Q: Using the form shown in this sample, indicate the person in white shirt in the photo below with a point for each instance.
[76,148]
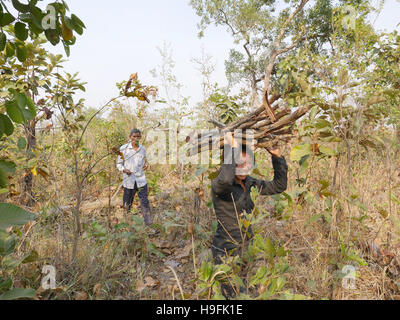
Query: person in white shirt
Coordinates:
[132,163]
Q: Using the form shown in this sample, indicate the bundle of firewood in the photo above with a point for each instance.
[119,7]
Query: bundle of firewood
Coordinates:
[259,127]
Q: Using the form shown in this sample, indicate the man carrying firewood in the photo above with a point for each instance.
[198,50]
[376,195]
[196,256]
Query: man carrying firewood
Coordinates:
[132,163]
[231,198]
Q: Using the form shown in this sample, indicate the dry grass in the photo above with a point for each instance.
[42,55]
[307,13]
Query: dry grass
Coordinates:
[113,269]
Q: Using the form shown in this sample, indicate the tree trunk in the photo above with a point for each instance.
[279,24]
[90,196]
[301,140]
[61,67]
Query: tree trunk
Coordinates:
[77,213]
[349,171]
[30,133]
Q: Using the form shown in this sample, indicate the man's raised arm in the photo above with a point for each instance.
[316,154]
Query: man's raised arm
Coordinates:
[279,184]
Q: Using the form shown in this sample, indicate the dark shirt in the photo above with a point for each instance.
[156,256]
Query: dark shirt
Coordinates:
[225,187]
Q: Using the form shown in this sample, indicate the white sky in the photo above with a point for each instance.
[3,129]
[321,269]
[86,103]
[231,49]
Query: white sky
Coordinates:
[122,37]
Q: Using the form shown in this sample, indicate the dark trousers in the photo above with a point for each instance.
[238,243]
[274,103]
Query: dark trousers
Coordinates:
[228,291]
[129,195]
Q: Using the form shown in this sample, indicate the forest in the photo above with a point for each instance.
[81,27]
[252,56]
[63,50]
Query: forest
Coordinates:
[312,79]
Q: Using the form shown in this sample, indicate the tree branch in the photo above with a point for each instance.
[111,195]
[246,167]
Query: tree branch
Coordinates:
[93,116]
[227,23]
[274,53]
[217,123]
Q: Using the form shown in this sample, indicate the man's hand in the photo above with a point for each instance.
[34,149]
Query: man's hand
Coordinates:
[128,172]
[275,152]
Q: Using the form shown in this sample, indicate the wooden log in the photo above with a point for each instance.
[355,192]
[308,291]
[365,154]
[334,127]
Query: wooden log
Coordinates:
[217,123]
[264,132]
[205,140]
[194,139]
[285,138]
[253,114]
[258,114]
[266,122]
[289,119]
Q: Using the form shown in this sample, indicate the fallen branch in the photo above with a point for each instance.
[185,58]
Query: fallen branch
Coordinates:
[255,128]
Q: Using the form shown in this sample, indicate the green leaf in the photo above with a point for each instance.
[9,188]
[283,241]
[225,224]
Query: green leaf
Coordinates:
[324,184]
[299,151]
[313,112]
[53,35]
[304,163]
[206,270]
[353,256]
[222,267]
[10,49]
[272,286]
[6,168]
[7,243]
[9,262]
[24,8]
[67,49]
[22,52]
[3,178]
[78,29]
[77,21]
[6,19]
[8,127]
[259,277]
[327,151]
[21,143]
[31,257]
[21,32]
[28,114]
[280,282]
[14,112]
[322,123]
[281,252]
[18,293]
[30,104]
[11,215]
[269,248]
[21,100]
[6,284]
[37,17]
[68,22]
[3,41]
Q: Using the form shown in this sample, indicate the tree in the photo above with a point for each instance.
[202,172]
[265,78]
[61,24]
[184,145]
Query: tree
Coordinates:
[262,33]
[35,77]
[31,21]
[268,31]
[18,105]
